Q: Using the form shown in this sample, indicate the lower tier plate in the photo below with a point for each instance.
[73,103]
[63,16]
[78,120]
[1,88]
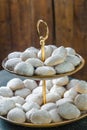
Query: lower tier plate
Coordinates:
[45,125]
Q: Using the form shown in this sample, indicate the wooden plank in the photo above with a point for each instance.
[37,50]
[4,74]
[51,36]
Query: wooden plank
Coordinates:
[4,35]
[80,23]
[80,33]
[64,22]
[20,24]
[5,42]
[4,10]
[24,16]
[5,39]
[41,9]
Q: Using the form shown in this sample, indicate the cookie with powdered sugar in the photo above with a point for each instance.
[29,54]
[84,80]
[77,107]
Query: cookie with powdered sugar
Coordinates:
[81,101]
[40,117]
[24,68]
[17,115]
[48,52]
[15,84]
[11,63]
[24,92]
[45,71]
[81,87]
[68,111]
[35,62]
[64,67]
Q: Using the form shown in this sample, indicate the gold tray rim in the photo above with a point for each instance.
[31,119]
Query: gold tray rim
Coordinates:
[45,125]
[40,77]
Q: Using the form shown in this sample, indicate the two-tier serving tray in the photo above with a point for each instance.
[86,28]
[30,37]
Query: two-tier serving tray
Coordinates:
[44,78]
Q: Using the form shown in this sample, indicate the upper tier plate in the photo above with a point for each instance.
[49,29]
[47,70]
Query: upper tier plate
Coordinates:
[40,77]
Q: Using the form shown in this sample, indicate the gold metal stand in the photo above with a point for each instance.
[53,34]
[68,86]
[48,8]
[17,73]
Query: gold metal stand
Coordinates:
[42,43]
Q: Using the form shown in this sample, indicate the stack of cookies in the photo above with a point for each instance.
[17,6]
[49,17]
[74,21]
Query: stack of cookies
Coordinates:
[58,60]
[22,101]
